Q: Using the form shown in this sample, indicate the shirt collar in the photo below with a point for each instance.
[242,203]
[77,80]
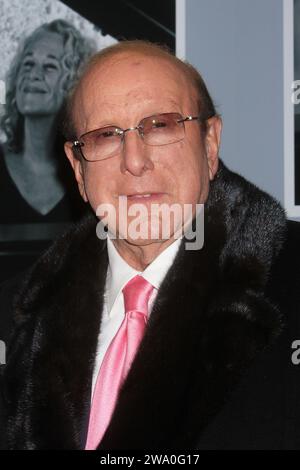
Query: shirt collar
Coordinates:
[119,272]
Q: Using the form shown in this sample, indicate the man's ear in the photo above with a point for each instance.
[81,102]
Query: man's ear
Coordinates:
[212,143]
[77,167]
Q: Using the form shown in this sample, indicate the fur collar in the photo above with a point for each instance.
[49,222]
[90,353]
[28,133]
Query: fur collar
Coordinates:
[209,321]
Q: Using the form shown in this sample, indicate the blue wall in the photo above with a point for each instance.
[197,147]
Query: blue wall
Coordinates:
[237,45]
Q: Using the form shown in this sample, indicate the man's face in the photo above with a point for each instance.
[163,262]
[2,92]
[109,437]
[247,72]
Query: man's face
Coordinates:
[39,88]
[120,92]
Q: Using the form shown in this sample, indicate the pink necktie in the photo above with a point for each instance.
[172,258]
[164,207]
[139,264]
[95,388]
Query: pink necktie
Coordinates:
[118,358]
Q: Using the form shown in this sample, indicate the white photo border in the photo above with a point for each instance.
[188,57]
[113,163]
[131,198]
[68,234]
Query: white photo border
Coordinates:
[292,209]
[180,31]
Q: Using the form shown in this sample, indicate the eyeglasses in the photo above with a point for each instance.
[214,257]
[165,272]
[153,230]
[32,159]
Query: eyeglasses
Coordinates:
[156,130]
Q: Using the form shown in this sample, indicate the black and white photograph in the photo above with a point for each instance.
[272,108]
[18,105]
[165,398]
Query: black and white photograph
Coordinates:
[45,45]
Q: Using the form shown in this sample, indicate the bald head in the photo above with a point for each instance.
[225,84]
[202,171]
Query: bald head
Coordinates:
[104,66]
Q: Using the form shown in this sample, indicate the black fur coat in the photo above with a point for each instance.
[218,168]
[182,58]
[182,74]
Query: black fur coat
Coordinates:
[214,368]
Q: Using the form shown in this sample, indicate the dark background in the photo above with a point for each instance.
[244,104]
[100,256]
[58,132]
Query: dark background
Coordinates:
[152,20]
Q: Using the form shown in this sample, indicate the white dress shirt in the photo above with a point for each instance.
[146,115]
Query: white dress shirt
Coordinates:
[118,274]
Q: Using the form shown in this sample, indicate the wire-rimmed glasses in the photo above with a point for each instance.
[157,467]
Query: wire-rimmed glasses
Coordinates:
[158,129]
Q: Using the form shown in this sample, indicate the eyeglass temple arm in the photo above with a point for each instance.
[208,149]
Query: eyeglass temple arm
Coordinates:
[77,144]
[194,118]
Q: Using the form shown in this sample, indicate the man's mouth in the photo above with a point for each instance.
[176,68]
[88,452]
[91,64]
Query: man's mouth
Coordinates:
[140,195]
[145,196]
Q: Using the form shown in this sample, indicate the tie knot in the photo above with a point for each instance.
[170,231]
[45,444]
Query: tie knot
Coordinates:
[136,294]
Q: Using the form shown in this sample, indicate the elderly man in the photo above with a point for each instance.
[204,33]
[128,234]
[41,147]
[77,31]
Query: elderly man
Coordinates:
[127,340]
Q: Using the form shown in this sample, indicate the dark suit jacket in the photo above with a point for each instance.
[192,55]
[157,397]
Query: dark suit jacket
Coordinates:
[214,369]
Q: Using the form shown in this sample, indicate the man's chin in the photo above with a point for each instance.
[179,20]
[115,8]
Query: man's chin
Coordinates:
[145,241]
[151,234]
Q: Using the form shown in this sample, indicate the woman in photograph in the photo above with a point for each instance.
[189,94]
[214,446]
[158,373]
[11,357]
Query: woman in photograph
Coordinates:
[33,170]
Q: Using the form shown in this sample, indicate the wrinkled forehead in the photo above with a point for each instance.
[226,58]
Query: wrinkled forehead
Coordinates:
[127,79]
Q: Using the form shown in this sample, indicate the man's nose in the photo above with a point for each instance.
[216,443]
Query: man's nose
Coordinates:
[135,154]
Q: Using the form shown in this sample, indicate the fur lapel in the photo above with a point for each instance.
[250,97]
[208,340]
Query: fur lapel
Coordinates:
[210,320]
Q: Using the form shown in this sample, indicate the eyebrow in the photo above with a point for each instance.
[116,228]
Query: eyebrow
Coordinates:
[103,126]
